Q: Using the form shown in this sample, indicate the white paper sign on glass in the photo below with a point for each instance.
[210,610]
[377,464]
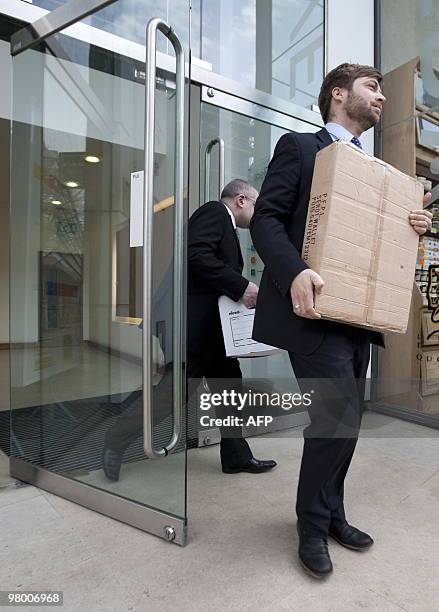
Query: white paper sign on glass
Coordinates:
[136,209]
[237,324]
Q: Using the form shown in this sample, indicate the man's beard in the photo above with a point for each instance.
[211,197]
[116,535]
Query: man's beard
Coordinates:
[359,110]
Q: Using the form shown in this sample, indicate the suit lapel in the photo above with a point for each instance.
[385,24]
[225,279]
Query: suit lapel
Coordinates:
[323,139]
[241,261]
[229,223]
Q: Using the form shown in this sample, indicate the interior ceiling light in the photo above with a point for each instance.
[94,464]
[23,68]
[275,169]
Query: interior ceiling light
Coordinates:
[72,184]
[92,159]
[56,202]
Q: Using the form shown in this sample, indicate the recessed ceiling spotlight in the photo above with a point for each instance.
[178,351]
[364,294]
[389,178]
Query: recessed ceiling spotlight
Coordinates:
[72,184]
[92,159]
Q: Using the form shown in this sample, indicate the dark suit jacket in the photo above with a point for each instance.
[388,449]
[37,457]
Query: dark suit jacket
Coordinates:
[277,229]
[214,268]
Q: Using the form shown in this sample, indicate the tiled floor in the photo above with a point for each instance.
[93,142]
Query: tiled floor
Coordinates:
[241,553]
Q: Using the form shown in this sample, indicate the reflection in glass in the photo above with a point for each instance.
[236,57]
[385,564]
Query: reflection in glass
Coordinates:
[428,133]
[276,46]
[128,19]
[76,284]
[408,368]
[279,44]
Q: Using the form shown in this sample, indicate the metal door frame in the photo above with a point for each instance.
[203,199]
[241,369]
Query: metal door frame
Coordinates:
[210,88]
[162,524]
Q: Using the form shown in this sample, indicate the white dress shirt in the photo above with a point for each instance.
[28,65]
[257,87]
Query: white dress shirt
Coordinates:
[337,131]
[232,216]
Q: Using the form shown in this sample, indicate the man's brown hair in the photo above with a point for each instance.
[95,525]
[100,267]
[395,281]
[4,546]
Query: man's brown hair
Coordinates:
[343,76]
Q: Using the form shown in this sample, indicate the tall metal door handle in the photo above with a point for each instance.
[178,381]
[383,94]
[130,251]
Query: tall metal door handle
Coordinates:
[219,141]
[177,339]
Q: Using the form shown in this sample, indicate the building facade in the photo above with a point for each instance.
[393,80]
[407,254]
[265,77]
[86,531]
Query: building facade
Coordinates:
[223,81]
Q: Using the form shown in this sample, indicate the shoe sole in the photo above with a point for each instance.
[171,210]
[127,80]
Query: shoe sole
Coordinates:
[108,474]
[238,470]
[112,478]
[356,548]
[314,574]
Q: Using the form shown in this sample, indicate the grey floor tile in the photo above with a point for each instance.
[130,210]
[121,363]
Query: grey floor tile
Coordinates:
[12,494]
[242,551]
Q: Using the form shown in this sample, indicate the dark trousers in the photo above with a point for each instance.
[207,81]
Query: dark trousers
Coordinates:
[335,376]
[221,373]
[128,427]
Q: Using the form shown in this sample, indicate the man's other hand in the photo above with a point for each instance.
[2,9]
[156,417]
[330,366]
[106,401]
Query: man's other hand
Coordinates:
[250,295]
[302,293]
[420,220]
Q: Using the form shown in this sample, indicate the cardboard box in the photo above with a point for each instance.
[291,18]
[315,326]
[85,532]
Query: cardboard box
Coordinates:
[358,238]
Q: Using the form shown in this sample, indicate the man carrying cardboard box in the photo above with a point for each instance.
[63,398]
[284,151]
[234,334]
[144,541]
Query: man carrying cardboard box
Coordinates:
[332,357]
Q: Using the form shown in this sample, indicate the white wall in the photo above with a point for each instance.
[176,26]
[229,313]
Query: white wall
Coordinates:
[350,38]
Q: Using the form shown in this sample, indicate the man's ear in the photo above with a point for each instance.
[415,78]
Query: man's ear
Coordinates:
[337,93]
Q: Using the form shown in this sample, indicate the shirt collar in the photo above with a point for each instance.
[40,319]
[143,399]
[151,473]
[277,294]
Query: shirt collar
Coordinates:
[232,216]
[337,131]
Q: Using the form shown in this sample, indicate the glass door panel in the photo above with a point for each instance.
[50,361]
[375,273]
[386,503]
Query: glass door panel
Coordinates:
[241,146]
[125,20]
[77,294]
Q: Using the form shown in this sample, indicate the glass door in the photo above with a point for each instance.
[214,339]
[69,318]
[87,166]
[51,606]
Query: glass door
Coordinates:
[98,204]
[237,140]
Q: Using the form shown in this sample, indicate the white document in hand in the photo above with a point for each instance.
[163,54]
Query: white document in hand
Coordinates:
[237,323]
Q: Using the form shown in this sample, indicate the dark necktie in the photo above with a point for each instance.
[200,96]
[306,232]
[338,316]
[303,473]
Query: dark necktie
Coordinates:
[356,142]
[237,235]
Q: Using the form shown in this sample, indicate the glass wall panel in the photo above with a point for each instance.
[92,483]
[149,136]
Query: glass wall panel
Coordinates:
[409,138]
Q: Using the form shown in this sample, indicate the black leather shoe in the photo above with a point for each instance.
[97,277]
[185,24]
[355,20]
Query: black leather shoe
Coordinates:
[350,537]
[111,462]
[314,555]
[254,466]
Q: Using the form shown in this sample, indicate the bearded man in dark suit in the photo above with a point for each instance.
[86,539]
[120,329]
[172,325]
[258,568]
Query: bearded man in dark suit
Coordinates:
[331,357]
